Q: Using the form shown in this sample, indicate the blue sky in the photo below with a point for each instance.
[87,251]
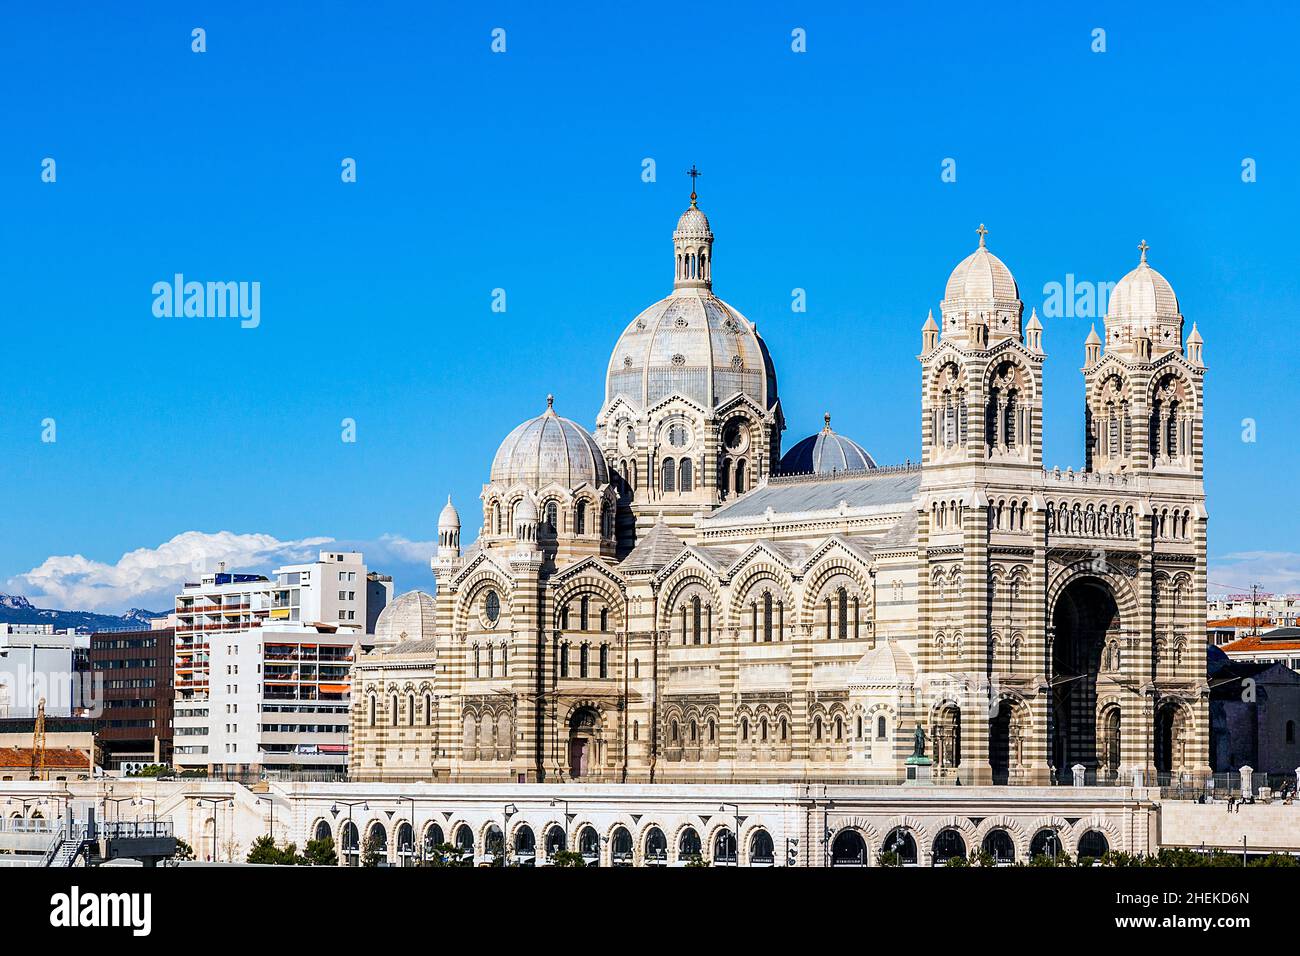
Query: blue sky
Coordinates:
[522,171]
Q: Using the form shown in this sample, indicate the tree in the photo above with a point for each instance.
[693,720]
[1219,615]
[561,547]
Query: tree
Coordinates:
[319,853]
[265,851]
[890,858]
[567,858]
[444,854]
[369,851]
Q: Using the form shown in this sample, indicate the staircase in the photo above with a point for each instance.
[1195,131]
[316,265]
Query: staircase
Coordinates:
[65,849]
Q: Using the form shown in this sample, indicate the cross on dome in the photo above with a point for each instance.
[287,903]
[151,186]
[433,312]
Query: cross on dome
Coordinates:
[1143,247]
[694,174]
[982,233]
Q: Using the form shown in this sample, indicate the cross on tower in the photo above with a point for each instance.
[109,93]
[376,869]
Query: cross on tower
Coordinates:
[694,174]
[1142,248]
[982,233]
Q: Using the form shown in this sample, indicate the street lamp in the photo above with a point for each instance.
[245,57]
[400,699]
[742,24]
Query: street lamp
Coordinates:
[736,842]
[270,799]
[153,807]
[508,811]
[334,811]
[216,802]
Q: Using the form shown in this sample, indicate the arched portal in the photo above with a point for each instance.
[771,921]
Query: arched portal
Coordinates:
[584,741]
[1084,615]
[848,849]
[1171,737]
[948,844]
[999,845]
[1007,732]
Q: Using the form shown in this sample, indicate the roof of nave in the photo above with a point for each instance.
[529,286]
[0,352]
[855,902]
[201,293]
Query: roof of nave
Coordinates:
[864,489]
[901,535]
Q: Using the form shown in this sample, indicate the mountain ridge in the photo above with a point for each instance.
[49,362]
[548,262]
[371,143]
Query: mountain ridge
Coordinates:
[16,609]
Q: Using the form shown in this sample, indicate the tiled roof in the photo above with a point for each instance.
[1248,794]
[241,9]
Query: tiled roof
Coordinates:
[11,757]
[653,551]
[868,488]
[1287,640]
[1240,622]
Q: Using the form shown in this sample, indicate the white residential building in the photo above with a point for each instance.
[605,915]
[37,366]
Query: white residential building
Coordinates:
[39,661]
[263,665]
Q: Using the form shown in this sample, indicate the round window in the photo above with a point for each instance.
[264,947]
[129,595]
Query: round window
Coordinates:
[679,436]
[735,437]
[492,607]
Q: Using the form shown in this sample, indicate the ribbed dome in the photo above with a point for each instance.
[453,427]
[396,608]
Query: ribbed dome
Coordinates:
[1142,295]
[410,617]
[979,281]
[824,453]
[549,449]
[885,666]
[693,344]
[450,517]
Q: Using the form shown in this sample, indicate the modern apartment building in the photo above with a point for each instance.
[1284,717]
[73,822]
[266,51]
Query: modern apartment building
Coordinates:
[134,669]
[263,665]
[37,662]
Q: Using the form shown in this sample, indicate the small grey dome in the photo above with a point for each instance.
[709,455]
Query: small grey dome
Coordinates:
[410,617]
[549,449]
[824,453]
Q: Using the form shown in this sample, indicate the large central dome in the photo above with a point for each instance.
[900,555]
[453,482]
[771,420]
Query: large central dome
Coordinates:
[691,343]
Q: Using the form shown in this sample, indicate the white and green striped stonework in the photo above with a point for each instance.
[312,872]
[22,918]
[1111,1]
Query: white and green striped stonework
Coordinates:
[659,600]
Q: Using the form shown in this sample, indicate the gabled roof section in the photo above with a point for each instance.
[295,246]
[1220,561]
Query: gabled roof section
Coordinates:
[654,551]
[587,565]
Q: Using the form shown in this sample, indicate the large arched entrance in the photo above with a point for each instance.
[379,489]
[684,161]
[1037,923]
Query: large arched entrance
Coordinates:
[584,740]
[1007,730]
[1085,613]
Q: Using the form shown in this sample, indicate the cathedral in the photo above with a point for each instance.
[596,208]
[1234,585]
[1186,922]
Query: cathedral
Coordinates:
[669,597]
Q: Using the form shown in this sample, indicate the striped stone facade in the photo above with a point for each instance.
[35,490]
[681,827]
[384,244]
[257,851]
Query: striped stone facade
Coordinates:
[671,608]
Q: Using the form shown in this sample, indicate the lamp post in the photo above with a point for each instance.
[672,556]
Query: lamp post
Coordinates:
[153,808]
[507,812]
[216,802]
[568,819]
[736,841]
[270,800]
[412,854]
[334,811]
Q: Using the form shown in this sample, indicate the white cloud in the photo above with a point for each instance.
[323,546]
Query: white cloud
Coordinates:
[1277,572]
[151,577]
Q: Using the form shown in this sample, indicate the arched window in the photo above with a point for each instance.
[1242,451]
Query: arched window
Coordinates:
[880,727]
[744,729]
[552,517]
[585,615]
[740,477]
[584,659]
[767,616]
[685,483]
[604,619]
[761,850]
[477,672]
[695,618]
[372,710]
[604,660]
[785,730]
[564,660]
[428,710]
[724,477]
[688,845]
[580,519]
[817,728]
[392,714]
[843,597]
[410,710]
[656,847]
[669,475]
[496,517]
